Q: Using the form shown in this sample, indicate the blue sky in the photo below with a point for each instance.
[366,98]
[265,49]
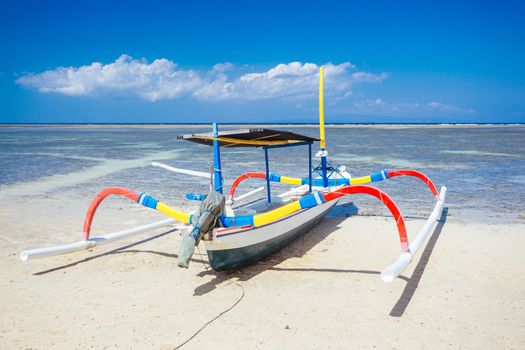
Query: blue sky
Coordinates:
[247,61]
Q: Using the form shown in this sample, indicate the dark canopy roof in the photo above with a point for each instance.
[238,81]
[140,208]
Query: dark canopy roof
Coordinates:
[249,138]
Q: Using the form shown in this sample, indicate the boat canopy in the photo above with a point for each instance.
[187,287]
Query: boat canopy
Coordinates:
[250,138]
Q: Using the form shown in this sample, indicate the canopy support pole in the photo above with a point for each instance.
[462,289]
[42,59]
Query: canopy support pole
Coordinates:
[217,173]
[310,167]
[267,174]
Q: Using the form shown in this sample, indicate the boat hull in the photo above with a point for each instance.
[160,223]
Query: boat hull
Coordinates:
[231,250]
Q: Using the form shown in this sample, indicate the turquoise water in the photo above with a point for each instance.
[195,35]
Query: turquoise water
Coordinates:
[482,166]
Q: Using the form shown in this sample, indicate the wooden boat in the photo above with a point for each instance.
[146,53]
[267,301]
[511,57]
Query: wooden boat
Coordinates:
[249,232]
[231,248]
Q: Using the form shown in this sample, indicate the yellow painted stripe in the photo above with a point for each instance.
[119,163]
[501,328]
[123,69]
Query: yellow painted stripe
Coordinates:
[249,142]
[255,142]
[291,180]
[321,107]
[360,180]
[173,213]
[276,214]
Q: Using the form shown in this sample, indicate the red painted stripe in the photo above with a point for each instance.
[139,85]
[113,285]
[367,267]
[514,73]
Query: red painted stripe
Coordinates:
[421,176]
[98,199]
[383,197]
[244,177]
[225,229]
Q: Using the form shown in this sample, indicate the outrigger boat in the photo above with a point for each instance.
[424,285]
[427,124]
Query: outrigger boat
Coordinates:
[238,235]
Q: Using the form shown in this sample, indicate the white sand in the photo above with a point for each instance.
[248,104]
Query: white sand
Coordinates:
[321,292]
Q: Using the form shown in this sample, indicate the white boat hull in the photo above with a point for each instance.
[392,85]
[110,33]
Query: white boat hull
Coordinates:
[230,249]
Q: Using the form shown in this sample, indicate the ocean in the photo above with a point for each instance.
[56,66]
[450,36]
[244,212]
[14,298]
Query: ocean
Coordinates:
[483,166]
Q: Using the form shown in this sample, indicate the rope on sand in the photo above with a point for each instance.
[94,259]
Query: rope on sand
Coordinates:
[216,317]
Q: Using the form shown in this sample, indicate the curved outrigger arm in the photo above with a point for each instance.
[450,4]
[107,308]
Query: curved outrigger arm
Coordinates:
[383,197]
[375,177]
[142,199]
[90,242]
[394,270]
[408,249]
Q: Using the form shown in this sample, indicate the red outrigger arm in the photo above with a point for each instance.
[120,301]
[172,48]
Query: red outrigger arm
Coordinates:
[383,197]
[142,199]
[245,176]
[408,249]
[98,199]
[90,242]
[417,174]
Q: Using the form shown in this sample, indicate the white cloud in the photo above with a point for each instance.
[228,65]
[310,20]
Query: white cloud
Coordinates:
[369,77]
[126,76]
[163,79]
[449,108]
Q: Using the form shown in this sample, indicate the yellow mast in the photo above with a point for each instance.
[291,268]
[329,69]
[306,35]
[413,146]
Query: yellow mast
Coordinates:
[323,153]
[321,107]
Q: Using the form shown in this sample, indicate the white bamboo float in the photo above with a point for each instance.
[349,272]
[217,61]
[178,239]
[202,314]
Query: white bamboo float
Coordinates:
[245,195]
[394,270]
[182,171]
[205,175]
[94,241]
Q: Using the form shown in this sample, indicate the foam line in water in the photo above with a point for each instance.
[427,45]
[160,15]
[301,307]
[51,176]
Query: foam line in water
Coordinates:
[395,162]
[53,182]
[480,153]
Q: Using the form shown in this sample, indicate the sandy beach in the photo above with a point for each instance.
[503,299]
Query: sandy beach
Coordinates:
[464,290]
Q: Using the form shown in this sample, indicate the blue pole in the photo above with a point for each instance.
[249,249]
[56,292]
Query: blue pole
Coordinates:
[217,174]
[310,166]
[323,168]
[267,175]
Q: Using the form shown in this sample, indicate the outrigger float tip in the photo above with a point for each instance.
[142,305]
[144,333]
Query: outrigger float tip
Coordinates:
[235,233]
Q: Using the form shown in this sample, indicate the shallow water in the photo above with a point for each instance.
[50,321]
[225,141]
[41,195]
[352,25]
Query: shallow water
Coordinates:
[482,166]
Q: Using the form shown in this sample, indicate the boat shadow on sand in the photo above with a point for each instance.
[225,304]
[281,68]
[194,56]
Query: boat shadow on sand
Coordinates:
[302,245]
[295,249]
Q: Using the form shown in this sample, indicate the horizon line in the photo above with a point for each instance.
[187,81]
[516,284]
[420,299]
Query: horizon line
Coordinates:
[267,123]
